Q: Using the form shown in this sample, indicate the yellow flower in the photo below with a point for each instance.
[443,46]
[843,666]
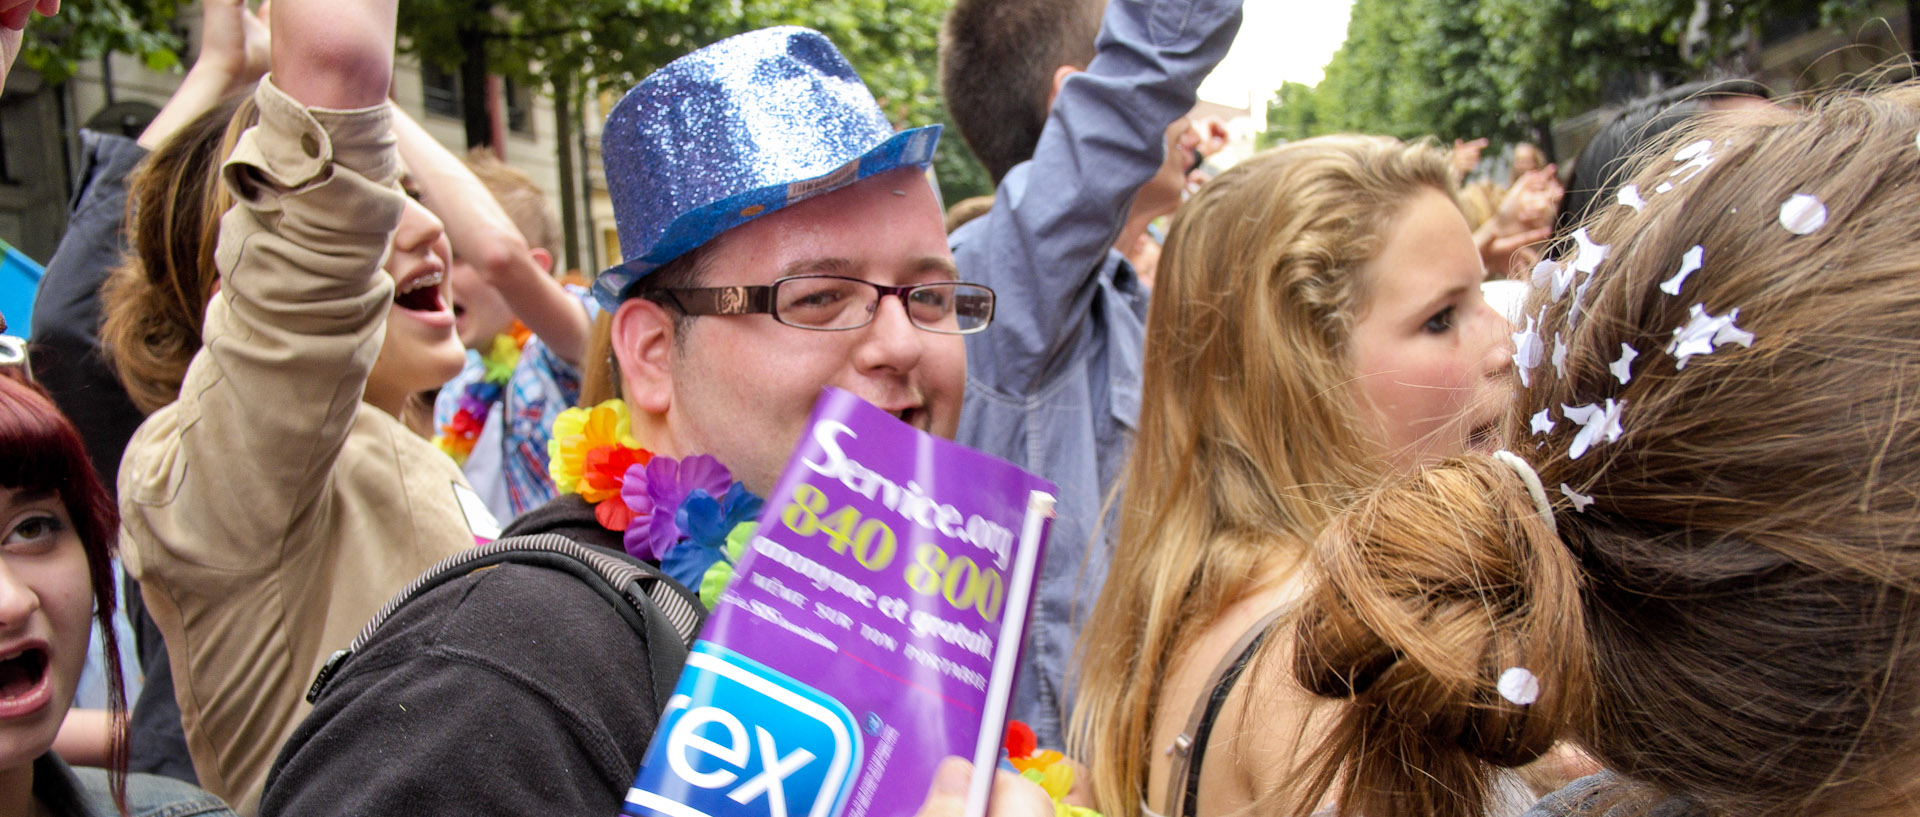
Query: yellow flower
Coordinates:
[500,359]
[578,431]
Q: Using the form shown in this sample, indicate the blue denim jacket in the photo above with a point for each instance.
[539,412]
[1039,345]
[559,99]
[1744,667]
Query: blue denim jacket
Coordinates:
[70,792]
[1054,385]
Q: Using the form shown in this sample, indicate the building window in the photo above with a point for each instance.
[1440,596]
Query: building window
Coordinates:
[519,108]
[442,89]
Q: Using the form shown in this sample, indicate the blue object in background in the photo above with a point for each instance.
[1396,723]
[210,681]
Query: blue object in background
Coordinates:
[19,280]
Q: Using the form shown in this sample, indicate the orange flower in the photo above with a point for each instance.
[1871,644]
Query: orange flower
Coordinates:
[605,470]
[613,514]
[577,432]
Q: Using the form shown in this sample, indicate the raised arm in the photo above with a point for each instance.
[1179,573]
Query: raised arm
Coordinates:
[296,325]
[1055,216]
[334,54]
[234,43]
[484,236]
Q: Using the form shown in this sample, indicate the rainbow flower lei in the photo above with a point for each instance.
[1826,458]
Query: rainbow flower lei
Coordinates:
[1046,767]
[457,436]
[689,515]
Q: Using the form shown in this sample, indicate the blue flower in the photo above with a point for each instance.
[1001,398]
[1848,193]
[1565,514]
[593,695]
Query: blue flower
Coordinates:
[687,562]
[703,524]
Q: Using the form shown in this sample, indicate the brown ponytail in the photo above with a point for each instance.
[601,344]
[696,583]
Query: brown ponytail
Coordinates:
[1433,588]
[154,302]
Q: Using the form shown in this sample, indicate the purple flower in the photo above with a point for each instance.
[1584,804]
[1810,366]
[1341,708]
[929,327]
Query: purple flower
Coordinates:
[472,404]
[655,493]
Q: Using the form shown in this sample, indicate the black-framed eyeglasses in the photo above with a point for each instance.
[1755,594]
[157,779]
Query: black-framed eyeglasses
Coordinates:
[835,303]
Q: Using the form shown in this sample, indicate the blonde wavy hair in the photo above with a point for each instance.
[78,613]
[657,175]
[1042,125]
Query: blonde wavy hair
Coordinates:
[1248,440]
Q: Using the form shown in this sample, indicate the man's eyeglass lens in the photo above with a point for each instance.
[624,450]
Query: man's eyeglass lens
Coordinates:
[831,302]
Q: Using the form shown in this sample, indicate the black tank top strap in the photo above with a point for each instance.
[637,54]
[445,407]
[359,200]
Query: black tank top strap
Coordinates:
[1189,750]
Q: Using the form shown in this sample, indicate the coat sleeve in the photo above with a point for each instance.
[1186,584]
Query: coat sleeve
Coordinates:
[223,475]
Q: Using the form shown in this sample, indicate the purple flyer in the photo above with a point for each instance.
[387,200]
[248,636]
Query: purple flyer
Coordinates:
[871,629]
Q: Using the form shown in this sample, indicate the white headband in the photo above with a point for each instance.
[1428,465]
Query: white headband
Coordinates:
[1534,488]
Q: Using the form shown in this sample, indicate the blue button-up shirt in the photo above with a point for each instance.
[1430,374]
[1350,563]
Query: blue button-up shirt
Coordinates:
[1054,385]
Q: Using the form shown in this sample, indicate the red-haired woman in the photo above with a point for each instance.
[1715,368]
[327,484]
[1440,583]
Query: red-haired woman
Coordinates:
[56,530]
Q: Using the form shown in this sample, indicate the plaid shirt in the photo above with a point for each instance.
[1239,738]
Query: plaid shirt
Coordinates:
[508,466]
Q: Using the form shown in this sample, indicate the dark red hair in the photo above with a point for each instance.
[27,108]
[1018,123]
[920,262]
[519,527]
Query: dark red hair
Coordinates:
[41,451]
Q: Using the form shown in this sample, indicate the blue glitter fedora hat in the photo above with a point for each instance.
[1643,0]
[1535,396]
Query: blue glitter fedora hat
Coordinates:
[732,132]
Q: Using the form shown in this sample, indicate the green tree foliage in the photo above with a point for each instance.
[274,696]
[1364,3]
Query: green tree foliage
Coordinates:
[1507,69]
[575,44]
[54,47]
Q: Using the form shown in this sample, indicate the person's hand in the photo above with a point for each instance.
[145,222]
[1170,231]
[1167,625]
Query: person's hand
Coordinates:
[1532,200]
[1466,154]
[234,41]
[234,48]
[1523,220]
[1013,795]
[1212,135]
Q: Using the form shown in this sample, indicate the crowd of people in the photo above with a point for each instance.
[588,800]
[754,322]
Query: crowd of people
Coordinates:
[1345,525]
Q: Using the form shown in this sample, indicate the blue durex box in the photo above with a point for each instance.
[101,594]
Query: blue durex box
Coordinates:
[758,739]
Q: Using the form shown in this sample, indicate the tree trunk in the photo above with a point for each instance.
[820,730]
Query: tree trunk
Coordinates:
[475,113]
[1913,27]
[563,124]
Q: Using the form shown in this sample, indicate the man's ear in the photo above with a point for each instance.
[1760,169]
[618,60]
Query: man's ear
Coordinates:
[643,354]
[543,259]
[1060,78]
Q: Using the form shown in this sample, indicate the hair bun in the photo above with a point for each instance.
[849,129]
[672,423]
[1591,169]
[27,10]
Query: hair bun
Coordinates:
[1432,590]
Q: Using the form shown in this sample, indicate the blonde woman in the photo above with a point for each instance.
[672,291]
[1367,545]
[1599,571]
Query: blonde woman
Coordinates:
[1317,325]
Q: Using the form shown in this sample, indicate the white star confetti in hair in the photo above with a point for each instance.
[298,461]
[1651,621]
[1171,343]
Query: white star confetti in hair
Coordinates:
[1689,264]
[1543,272]
[1559,356]
[1696,159]
[1579,297]
[1630,196]
[1663,187]
[1518,686]
[1543,421]
[1704,332]
[1526,351]
[1600,423]
[1623,368]
[1590,254]
[1802,214]
[1562,278]
[1580,501]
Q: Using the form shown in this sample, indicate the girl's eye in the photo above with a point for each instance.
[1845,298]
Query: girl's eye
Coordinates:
[1440,323]
[34,531]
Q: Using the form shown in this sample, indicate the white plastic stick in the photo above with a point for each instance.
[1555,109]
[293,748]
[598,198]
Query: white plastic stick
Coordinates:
[1006,652]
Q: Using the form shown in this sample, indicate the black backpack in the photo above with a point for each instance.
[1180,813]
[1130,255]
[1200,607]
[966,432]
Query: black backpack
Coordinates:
[658,608]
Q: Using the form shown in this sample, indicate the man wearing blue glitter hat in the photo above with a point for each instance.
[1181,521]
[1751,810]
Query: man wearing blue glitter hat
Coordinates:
[778,237]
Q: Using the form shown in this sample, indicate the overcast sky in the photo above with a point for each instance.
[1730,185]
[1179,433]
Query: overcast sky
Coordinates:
[1279,40]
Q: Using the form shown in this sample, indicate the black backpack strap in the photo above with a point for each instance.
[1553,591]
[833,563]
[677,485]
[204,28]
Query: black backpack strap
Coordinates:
[666,614]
